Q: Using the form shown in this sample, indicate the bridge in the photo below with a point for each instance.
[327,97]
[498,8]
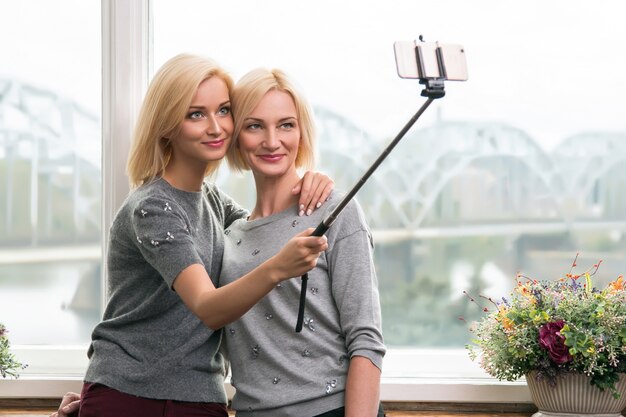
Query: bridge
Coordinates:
[456,177]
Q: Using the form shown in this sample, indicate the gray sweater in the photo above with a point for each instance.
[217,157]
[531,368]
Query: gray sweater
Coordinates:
[149,343]
[277,372]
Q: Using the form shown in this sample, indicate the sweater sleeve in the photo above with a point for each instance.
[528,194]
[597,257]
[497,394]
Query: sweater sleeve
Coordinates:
[355,285]
[232,210]
[163,236]
[228,210]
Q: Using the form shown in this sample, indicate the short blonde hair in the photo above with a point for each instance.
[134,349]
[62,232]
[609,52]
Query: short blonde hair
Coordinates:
[163,110]
[247,94]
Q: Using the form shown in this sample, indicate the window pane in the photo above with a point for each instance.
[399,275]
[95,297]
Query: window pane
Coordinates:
[517,169]
[50,182]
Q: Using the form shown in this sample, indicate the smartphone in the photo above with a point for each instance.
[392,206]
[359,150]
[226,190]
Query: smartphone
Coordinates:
[430,60]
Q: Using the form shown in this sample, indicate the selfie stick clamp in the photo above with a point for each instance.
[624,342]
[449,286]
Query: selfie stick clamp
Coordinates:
[434,86]
[434,89]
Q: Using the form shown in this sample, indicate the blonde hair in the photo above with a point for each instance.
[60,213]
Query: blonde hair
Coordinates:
[163,110]
[247,94]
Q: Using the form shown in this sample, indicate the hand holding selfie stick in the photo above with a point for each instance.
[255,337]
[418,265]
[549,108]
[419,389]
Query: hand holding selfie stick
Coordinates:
[433,81]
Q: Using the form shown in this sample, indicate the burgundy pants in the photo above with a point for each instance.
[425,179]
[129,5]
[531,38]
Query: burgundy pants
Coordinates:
[101,401]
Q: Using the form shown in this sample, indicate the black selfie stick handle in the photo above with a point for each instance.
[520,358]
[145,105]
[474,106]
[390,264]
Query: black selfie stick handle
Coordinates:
[303,285]
[328,221]
[319,231]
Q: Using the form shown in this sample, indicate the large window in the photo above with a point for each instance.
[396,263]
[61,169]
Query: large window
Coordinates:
[517,169]
[50,182]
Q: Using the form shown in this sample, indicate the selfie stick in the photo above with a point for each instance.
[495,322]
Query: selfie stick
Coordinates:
[433,90]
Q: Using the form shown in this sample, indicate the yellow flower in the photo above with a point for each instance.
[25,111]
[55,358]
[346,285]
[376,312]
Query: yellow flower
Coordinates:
[525,291]
[507,323]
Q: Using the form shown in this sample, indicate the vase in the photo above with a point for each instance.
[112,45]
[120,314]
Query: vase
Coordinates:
[573,395]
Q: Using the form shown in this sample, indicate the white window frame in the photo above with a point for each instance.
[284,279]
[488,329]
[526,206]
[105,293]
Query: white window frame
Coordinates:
[409,375]
[126,57]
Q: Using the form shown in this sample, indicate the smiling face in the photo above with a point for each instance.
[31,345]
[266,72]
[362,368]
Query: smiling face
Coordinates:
[270,136]
[205,132]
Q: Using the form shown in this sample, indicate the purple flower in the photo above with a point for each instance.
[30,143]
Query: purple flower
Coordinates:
[550,339]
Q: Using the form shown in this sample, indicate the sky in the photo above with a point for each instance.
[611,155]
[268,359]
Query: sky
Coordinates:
[53,45]
[551,68]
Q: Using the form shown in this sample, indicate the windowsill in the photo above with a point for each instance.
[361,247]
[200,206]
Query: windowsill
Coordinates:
[486,390]
[392,389]
[409,375]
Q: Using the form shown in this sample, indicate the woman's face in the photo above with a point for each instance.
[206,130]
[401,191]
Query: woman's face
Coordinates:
[270,135]
[206,131]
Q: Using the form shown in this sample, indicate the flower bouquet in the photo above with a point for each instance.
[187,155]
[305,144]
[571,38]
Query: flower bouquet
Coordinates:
[554,328]
[9,366]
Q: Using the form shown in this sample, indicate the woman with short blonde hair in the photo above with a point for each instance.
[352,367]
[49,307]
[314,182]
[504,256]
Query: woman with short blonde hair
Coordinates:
[252,87]
[333,367]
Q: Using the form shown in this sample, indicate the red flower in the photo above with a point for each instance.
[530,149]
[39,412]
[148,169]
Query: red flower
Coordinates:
[551,340]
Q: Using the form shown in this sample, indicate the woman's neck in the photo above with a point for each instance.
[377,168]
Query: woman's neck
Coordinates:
[273,194]
[184,177]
